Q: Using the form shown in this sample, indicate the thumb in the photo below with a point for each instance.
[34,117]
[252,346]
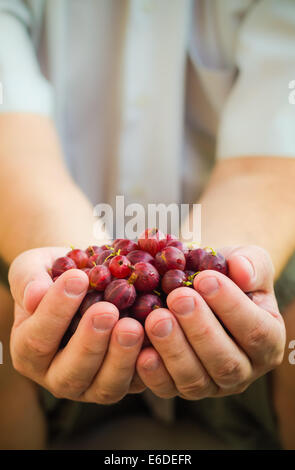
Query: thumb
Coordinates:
[28,276]
[251,268]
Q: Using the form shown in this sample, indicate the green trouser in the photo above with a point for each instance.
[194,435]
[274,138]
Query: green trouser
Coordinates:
[244,421]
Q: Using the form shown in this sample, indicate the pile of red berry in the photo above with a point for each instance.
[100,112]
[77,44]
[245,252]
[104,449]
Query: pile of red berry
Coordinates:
[137,277]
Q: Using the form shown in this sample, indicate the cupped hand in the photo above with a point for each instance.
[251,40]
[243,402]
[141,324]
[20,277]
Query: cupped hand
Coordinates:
[98,363]
[215,340]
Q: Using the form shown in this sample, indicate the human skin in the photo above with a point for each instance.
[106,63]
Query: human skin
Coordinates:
[40,319]
[39,206]
[261,212]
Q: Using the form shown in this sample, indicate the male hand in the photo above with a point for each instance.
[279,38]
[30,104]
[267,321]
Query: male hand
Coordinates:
[98,363]
[215,340]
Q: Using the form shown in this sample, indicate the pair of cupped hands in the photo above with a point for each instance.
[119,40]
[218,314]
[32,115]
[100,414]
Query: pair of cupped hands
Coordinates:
[212,341]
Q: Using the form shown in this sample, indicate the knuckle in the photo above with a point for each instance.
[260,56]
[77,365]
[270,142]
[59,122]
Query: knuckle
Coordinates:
[175,355]
[230,372]
[258,336]
[69,387]
[200,334]
[88,349]
[36,347]
[196,388]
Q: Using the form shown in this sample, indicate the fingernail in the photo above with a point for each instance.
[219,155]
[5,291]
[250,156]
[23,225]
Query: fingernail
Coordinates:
[75,286]
[103,322]
[184,306]
[162,328]
[127,338]
[248,266]
[208,285]
[151,364]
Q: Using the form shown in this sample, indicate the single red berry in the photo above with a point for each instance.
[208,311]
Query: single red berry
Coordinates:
[90,299]
[169,258]
[125,246]
[145,304]
[120,267]
[173,279]
[152,241]
[120,293]
[99,277]
[79,257]
[194,258]
[137,256]
[145,277]
[214,261]
[61,265]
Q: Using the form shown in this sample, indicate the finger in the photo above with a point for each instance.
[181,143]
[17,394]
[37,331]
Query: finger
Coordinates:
[187,372]
[224,361]
[37,339]
[154,374]
[30,270]
[258,333]
[114,378]
[251,268]
[74,367]
[34,293]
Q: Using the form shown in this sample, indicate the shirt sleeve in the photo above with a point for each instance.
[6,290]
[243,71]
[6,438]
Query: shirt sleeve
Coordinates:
[24,88]
[258,117]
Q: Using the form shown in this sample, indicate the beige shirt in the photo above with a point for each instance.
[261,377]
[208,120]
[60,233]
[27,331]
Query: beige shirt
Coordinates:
[141,89]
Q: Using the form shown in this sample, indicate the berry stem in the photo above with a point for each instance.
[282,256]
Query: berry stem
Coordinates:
[213,252]
[132,278]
